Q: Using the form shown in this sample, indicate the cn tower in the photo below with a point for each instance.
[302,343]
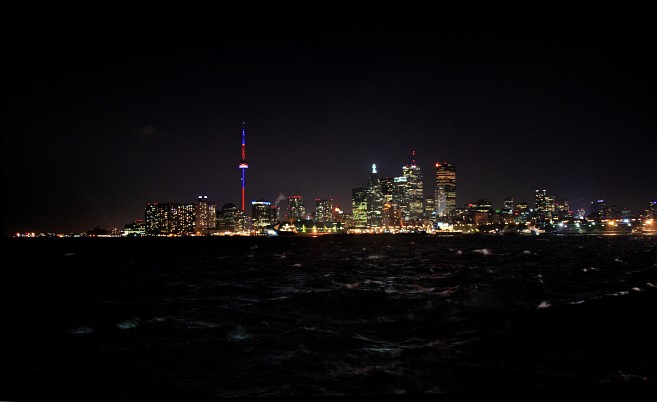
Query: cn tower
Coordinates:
[243,165]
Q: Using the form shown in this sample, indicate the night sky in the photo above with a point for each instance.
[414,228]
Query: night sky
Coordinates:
[93,128]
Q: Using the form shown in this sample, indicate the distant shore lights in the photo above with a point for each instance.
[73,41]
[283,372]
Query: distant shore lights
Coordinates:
[243,165]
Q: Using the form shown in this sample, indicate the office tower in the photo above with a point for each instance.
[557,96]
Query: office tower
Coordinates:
[391,215]
[296,210]
[400,197]
[614,212]
[374,200]
[508,204]
[387,188]
[522,212]
[263,214]
[562,209]
[445,188]
[359,207]
[550,207]
[430,210]
[413,174]
[540,204]
[243,165]
[598,209]
[323,210]
[230,219]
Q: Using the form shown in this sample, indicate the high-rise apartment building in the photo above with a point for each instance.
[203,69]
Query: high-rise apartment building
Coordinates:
[323,210]
[205,216]
[170,218]
[296,210]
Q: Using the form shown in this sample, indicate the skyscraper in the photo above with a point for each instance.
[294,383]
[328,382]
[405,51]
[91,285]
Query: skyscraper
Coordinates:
[413,173]
[243,165]
[296,210]
[445,188]
[263,214]
[323,210]
[387,188]
[599,209]
[430,210]
[230,219]
[541,204]
[205,216]
[374,200]
[359,207]
[508,204]
[169,218]
[400,196]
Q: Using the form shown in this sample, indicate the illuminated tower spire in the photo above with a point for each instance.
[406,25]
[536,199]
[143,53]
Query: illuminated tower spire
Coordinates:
[243,165]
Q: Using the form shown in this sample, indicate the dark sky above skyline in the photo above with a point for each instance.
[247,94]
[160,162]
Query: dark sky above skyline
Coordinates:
[93,129]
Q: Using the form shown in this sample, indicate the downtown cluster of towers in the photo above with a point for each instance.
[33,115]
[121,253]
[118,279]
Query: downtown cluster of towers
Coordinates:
[384,205]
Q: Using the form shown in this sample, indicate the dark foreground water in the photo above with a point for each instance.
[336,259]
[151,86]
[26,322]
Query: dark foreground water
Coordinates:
[405,314]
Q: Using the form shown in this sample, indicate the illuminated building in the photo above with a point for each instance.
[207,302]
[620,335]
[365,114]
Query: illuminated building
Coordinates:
[429,210]
[230,219]
[136,228]
[562,209]
[508,204]
[391,215]
[413,174]
[581,213]
[243,165]
[400,190]
[156,218]
[181,220]
[625,213]
[445,188]
[652,210]
[359,208]
[598,209]
[522,207]
[506,213]
[387,188]
[614,212]
[541,204]
[522,212]
[323,210]
[296,210]
[400,195]
[205,216]
[169,218]
[482,213]
[550,208]
[263,214]
[374,200]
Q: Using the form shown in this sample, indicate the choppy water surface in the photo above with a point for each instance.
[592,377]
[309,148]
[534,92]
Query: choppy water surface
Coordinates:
[213,317]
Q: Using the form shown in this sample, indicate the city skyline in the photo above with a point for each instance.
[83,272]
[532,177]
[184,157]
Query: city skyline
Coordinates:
[94,130]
